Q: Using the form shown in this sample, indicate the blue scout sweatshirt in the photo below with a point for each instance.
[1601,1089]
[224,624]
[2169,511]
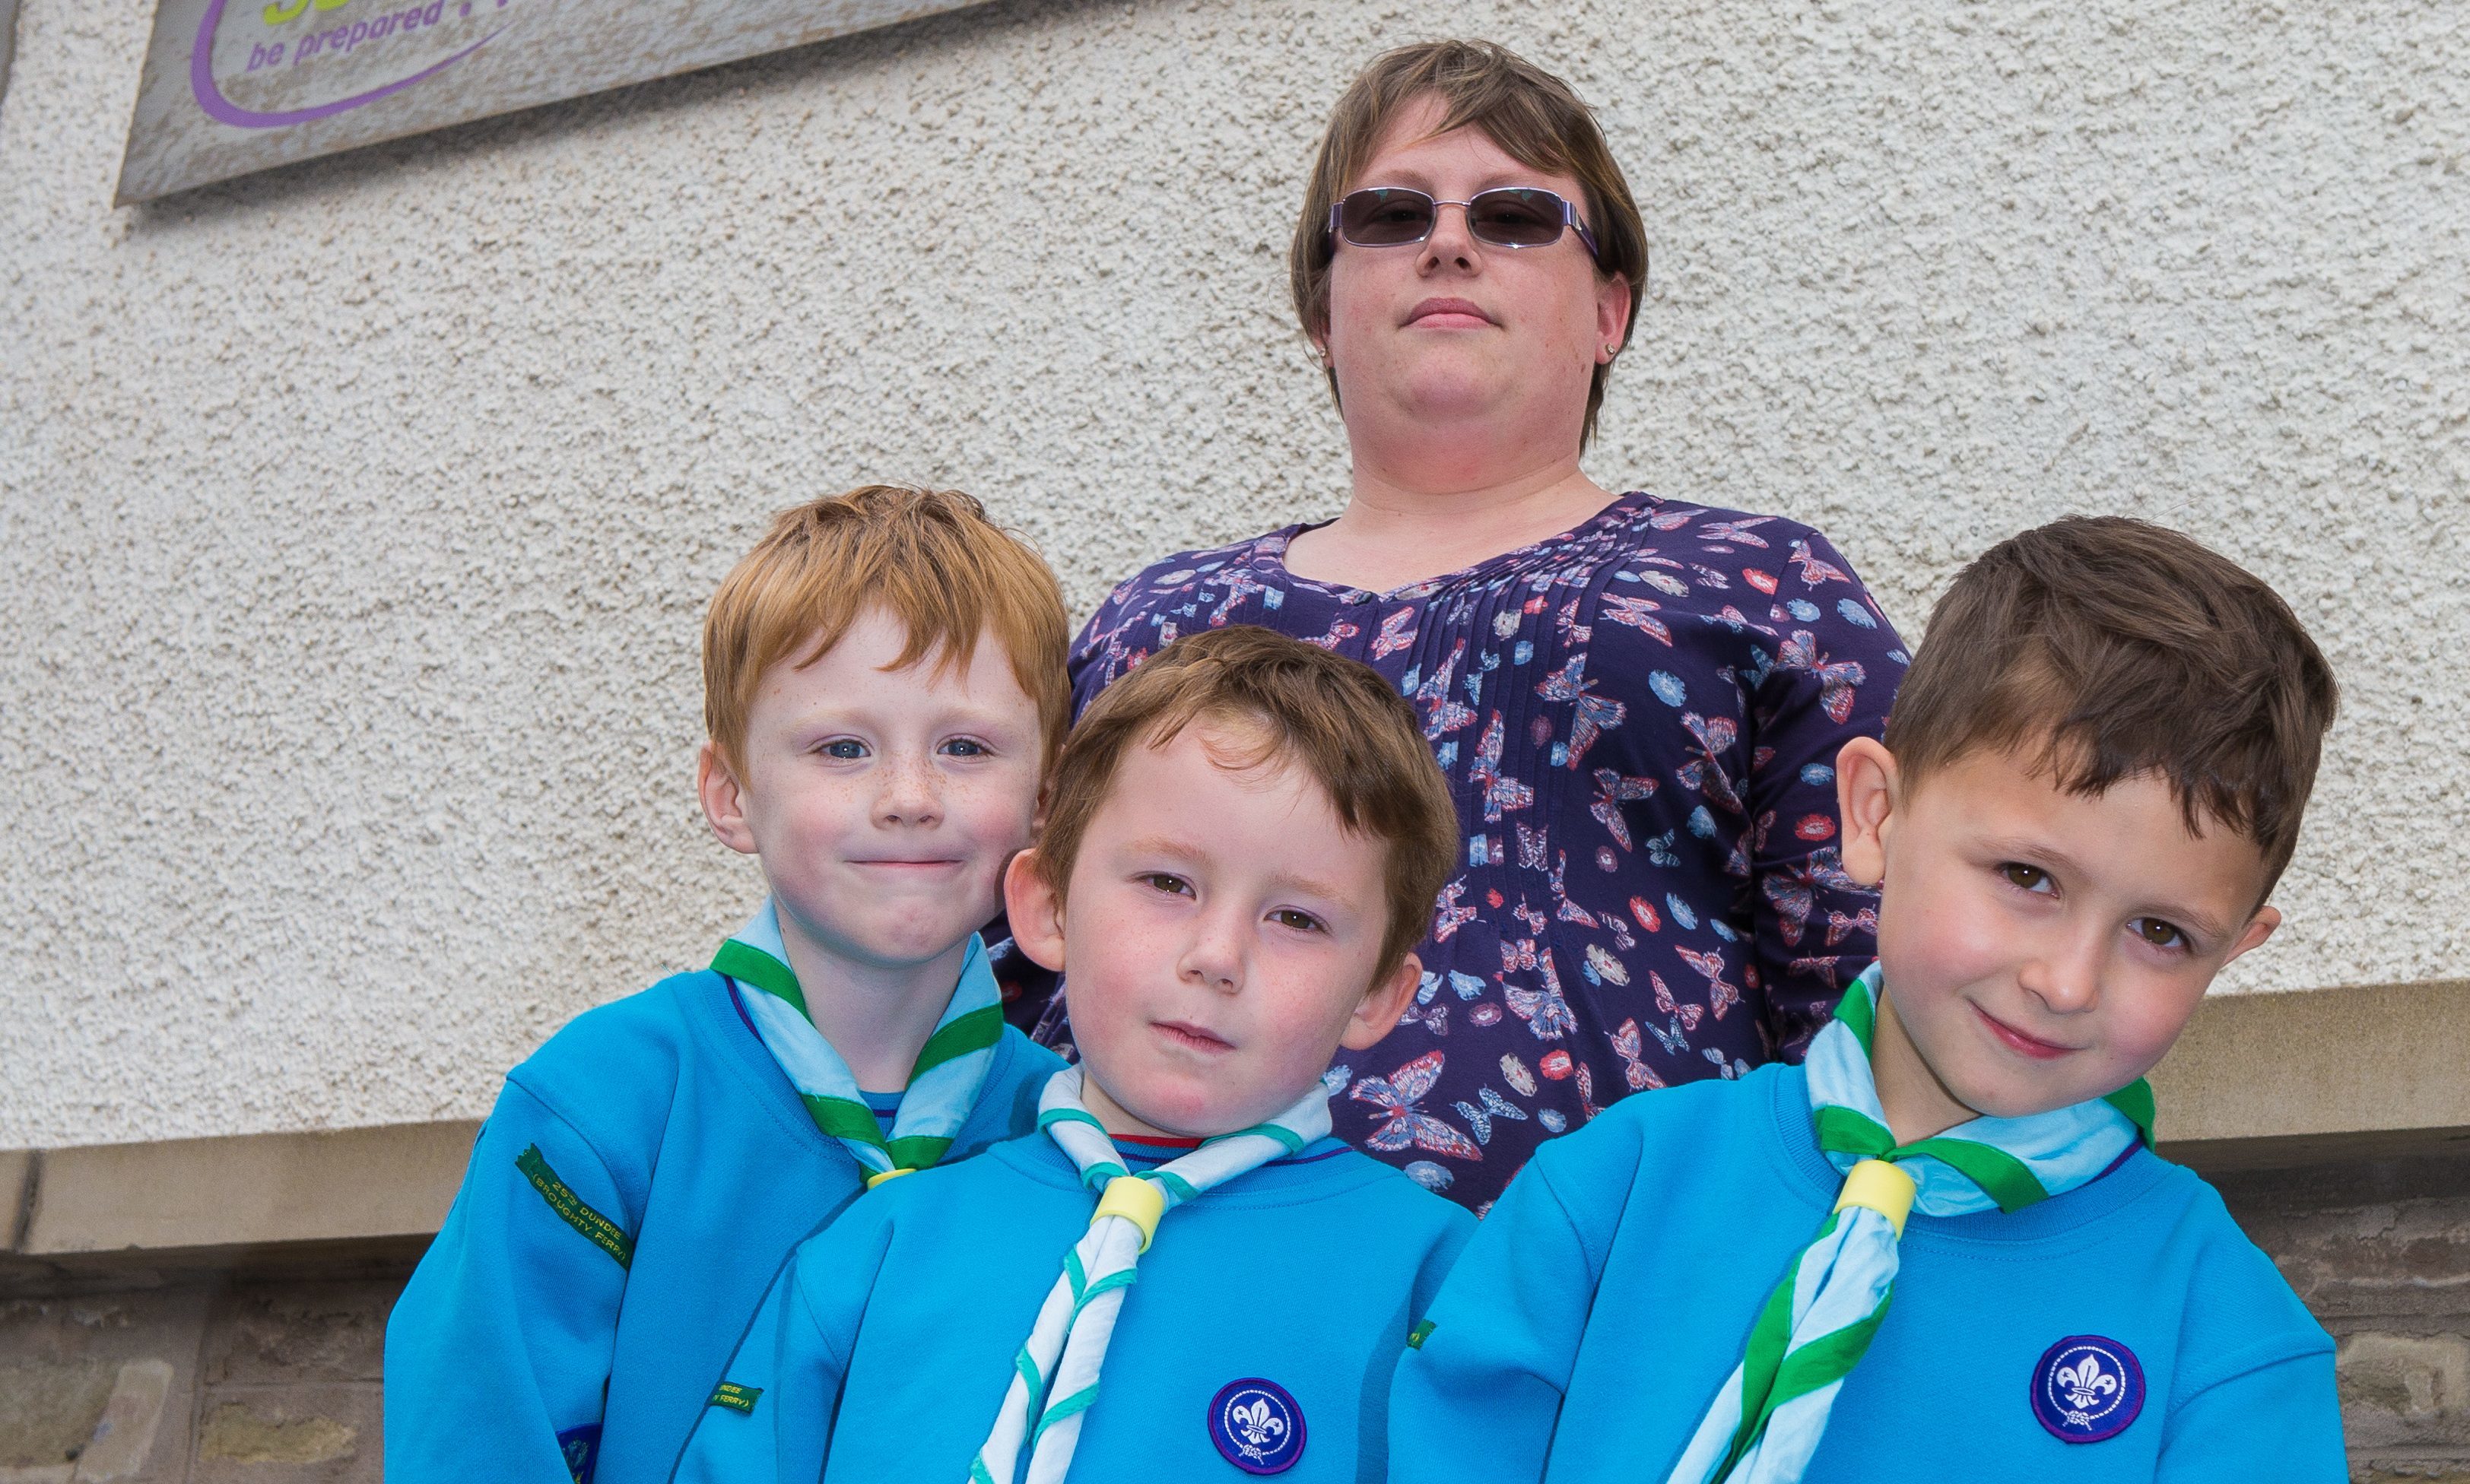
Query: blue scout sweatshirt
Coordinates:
[1268,1313]
[641,1181]
[2125,1329]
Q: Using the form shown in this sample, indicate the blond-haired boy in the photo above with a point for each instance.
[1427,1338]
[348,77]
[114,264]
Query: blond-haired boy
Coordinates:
[2090,781]
[884,695]
[1246,836]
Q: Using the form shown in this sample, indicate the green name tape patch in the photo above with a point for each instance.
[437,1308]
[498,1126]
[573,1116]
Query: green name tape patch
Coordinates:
[1416,1336]
[734,1396]
[596,1229]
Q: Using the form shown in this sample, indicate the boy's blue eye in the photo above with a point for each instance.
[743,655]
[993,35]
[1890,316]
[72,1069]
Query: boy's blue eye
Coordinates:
[965,747]
[845,749]
[1300,921]
[2157,933]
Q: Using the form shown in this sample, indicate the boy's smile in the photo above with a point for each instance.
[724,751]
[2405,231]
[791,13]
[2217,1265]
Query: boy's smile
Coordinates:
[1223,929]
[2038,947]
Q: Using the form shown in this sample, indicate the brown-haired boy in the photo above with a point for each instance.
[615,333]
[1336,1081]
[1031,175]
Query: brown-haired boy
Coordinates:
[884,692]
[1245,838]
[2092,780]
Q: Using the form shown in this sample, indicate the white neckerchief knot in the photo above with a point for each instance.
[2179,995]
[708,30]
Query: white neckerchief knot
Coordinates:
[1055,1376]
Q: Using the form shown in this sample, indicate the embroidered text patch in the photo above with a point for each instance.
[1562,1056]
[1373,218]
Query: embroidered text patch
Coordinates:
[2086,1387]
[734,1396]
[597,1229]
[1257,1426]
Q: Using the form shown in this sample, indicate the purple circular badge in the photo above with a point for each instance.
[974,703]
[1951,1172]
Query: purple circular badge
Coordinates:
[1256,1425]
[2087,1388]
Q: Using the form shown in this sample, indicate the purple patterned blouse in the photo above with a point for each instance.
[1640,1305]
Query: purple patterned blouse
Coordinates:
[1639,720]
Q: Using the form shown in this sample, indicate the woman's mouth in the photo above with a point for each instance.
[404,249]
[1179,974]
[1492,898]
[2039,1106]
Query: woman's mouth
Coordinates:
[2020,1042]
[1449,314]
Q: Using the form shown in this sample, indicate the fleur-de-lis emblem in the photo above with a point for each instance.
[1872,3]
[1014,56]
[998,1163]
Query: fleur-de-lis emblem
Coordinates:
[1256,1425]
[2086,1383]
[2088,1388]
[1259,1426]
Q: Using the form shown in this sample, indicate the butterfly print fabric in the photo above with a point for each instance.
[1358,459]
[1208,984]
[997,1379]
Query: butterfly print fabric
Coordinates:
[1639,721]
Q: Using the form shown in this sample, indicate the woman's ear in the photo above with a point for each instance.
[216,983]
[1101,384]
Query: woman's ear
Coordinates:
[723,800]
[1033,910]
[1613,295]
[1866,787]
[1377,1011]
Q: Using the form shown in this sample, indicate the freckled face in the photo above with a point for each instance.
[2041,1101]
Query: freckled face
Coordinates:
[884,802]
[1220,936]
[2042,947]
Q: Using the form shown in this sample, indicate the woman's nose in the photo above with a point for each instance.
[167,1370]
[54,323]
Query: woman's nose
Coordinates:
[1450,241]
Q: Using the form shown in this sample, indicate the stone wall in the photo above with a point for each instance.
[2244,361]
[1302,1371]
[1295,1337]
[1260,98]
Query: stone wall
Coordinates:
[273,1376]
[209,1377]
[2380,1251]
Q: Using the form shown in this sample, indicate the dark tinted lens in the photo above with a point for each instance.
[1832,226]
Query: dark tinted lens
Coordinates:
[1515,218]
[1385,218]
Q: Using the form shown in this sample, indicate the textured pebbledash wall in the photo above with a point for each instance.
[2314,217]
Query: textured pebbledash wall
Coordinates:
[355,519]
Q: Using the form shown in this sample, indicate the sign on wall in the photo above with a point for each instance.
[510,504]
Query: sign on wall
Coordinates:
[238,85]
[8,41]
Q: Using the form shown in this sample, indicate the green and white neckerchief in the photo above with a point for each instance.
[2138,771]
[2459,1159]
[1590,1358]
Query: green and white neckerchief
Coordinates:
[1818,1322]
[1055,1376]
[943,1086]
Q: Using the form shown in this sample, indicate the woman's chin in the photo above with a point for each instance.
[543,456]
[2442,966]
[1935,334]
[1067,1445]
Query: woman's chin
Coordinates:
[1431,406]
[1455,388]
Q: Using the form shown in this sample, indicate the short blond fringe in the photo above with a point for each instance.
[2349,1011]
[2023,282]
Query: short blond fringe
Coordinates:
[931,558]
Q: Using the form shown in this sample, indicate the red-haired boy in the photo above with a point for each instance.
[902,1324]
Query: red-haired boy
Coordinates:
[883,688]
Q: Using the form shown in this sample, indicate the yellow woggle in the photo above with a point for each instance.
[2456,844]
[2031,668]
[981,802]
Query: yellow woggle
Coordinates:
[1874,1184]
[1137,1200]
[881,1175]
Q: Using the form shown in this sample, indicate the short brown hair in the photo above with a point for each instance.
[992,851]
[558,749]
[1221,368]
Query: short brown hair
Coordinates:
[2112,648]
[930,558]
[1335,718]
[1533,116]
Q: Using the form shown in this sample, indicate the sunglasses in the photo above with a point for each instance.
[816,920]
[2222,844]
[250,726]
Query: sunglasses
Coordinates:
[1509,217]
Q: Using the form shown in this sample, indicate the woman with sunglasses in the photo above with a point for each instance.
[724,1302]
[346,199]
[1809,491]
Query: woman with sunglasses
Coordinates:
[1636,699]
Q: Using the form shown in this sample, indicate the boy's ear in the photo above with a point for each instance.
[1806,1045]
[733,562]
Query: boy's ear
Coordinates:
[1377,1011]
[723,800]
[1865,802]
[2258,928]
[1034,911]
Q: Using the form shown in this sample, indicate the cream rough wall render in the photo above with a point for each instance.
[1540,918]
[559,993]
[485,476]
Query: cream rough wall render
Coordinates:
[355,519]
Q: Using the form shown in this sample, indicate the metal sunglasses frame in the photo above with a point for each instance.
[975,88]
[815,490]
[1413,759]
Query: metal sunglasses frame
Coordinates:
[1569,218]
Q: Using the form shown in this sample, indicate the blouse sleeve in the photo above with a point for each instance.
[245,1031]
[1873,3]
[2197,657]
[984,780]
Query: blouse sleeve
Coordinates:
[1118,636]
[1831,679]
